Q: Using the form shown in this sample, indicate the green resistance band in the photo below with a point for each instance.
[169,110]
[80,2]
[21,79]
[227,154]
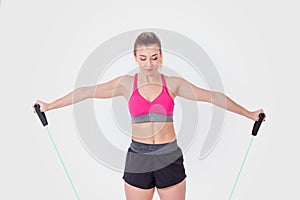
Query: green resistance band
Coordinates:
[243,163]
[43,119]
[254,133]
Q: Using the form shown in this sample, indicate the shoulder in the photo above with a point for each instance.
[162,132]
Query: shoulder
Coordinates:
[125,79]
[126,82]
[173,83]
[174,80]
[125,76]
[176,83]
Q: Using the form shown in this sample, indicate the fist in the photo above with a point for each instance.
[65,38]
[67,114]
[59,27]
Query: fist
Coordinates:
[254,115]
[43,106]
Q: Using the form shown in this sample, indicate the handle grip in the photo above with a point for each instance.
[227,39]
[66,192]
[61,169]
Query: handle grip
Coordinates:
[257,124]
[40,114]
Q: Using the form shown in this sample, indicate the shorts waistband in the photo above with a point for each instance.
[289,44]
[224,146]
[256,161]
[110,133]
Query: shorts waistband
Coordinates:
[153,149]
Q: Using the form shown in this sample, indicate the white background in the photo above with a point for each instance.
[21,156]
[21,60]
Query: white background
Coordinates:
[254,46]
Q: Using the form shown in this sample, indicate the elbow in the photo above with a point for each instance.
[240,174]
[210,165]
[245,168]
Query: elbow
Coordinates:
[208,97]
[217,98]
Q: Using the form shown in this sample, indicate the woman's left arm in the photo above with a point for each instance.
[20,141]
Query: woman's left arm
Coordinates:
[225,102]
[187,90]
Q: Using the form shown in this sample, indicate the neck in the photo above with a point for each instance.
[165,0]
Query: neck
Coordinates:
[149,78]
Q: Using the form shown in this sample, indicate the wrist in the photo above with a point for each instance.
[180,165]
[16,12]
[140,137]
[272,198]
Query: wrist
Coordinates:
[248,114]
[49,106]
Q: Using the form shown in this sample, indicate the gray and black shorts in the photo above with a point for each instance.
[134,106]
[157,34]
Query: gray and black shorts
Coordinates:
[154,165]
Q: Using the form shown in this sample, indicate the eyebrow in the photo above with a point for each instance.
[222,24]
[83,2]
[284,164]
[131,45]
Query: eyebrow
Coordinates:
[151,56]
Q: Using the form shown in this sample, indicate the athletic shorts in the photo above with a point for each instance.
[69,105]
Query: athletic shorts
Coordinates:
[160,170]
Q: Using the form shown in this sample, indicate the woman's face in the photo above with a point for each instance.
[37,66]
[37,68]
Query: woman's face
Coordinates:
[148,58]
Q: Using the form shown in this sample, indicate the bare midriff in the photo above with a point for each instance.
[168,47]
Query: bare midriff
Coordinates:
[153,132]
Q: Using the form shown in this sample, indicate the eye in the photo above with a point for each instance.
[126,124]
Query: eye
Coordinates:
[154,58]
[143,59]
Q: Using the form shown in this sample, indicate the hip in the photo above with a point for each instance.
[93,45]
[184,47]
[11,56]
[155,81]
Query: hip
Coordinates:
[143,157]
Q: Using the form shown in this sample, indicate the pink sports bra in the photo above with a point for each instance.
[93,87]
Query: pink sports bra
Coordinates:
[158,110]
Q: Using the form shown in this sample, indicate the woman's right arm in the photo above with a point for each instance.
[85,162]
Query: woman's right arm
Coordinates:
[112,88]
[66,100]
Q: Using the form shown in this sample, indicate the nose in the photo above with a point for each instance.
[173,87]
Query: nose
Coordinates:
[149,62]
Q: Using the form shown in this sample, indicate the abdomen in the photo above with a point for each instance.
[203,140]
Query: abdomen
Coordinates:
[153,132]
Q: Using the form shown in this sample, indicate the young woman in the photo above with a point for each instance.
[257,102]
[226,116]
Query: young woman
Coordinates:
[150,95]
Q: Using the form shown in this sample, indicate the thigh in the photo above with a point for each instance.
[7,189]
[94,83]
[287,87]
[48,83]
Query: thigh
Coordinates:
[135,193]
[174,192]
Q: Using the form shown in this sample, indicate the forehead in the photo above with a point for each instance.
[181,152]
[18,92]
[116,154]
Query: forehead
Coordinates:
[147,50]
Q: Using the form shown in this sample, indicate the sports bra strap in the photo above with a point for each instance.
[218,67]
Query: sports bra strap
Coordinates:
[135,82]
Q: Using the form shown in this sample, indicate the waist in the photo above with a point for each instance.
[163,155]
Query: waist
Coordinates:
[153,149]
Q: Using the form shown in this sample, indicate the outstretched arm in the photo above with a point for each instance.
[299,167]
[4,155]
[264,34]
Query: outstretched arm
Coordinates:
[63,101]
[113,88]
[225,102]
[109,89]
[187,90]
[68,99]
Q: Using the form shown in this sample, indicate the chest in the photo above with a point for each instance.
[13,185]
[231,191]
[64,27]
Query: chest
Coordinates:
[150,91]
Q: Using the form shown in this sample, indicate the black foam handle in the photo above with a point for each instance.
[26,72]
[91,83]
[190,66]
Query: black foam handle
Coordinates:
[40,114]
[257,124]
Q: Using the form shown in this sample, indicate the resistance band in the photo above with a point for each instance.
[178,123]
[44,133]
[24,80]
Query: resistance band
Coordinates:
[43,119]
[254,133]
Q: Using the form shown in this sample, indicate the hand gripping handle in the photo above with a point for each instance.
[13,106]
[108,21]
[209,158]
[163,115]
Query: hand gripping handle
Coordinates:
[257,124]
[40,114]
